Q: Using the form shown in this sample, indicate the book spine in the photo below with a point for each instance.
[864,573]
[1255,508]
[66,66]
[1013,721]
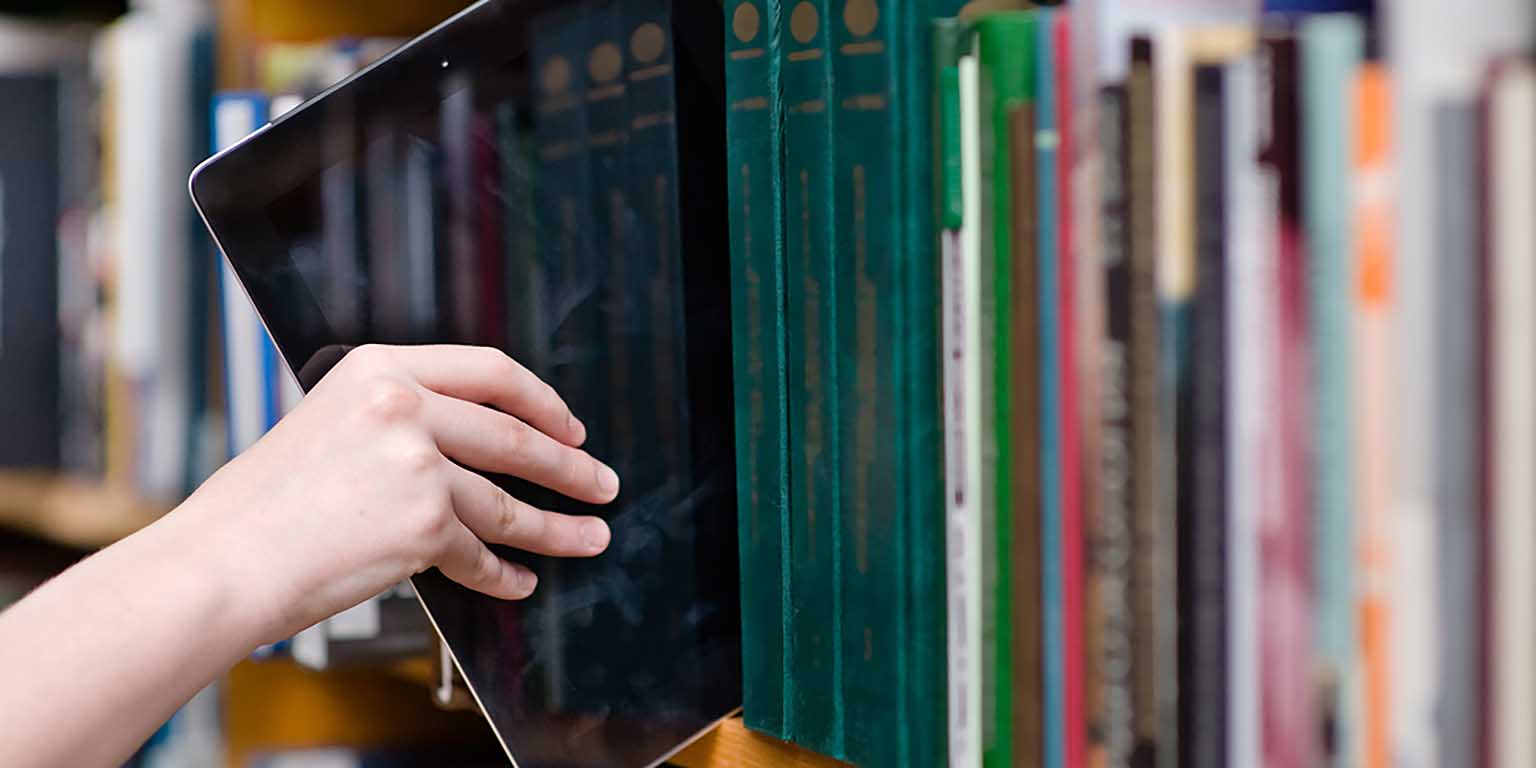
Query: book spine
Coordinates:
[1373,405]
[1250,455]
[754,117]
[1202,566]
[1459,452]
[1331,49]
[961,211]
[245,343]
[655,249]
[1011,693]
[875,496]
[919,411]
[1144,393]
[1051,400]
[1073,507]
[522,269]
[1174,201]
[1288,736]
[563,44]
[1111,722]
[814,378]
[1512,239]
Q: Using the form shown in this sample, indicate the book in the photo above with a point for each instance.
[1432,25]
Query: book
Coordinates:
[920,447]
[1432,68]
[1051,418]
[815,378]
[758,250]
[249,357]
[1372,285]
[1459,453]
[1250,458]
[652,173]
[1111,716]
[30,413]
[1073,380]
[1203,608]
[1011,596]
[1144,387]
[1510,121]
[957,141]
[1288,736]
[865,102]
[1331,51]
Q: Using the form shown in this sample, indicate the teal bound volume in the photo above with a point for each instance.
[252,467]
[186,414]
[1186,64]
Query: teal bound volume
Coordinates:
[754,119]
[888,316]
[869,250]
[814,662]
[920,444]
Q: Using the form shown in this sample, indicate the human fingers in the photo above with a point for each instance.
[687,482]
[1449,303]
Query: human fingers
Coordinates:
[488,376]
[497,517]
[492,441]
[468,561]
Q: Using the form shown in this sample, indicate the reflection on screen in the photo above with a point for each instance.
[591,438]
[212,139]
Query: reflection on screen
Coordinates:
[537,207]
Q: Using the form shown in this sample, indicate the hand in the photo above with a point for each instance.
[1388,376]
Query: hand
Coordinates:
[362,485]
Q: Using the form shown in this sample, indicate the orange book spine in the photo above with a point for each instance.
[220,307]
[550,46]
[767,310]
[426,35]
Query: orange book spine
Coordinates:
[1373,387]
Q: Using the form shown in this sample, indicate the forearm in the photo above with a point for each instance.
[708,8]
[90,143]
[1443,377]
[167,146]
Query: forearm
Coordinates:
[95,660]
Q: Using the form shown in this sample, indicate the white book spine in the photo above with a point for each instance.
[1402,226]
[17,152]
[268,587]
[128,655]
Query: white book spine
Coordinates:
[244,337]
[1250,286]
[1512,125]
[962,408]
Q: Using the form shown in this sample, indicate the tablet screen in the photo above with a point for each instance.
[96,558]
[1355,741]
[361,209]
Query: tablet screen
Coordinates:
[546,178]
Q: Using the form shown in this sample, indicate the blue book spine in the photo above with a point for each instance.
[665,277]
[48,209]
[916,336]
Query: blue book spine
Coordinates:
[1051,583]
[1331,52]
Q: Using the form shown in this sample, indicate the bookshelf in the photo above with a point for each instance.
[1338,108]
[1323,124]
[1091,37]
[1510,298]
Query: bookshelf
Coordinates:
[732,745]
[72,512]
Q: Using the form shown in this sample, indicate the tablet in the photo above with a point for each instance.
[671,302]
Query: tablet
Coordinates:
[547,178]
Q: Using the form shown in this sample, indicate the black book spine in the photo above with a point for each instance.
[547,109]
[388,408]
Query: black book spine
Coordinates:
[1202,438]
[1201,452]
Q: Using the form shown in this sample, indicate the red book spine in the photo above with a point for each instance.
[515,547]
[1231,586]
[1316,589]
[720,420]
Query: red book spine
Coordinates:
[1071,491]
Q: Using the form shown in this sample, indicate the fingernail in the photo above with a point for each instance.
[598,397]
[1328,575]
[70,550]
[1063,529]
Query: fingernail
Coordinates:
[594,533]
[527,581]
[607,480]
[575,428]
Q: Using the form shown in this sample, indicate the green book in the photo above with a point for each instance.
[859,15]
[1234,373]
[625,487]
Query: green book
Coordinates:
[920,413]
[890,431]
[754,119]
[811,276]
[875,660]
[1006,46]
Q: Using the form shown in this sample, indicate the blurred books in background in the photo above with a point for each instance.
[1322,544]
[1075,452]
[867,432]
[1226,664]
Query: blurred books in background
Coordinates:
[1222,317]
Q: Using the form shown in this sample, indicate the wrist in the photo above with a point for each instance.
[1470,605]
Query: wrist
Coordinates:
[240,598]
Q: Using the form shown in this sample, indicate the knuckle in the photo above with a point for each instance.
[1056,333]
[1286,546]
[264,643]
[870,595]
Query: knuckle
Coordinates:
[416,456]
[369,358]
[509,515]
[486,569]
[390,401]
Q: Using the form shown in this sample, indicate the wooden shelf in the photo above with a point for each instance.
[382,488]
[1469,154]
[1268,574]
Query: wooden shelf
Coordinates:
[72,512]
[733,745]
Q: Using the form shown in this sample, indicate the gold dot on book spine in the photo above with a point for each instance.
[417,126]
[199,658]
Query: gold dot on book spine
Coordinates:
[605,63]
[647,43]
[804,22]
[556,75]
[746,22]
[861,17]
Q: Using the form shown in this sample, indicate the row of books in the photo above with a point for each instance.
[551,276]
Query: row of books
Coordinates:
[1181,351]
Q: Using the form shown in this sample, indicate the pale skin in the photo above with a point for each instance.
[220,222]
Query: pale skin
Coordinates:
[361,486]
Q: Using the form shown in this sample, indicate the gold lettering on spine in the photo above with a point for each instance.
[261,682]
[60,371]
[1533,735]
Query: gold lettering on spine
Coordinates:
[754,353]
[866,297]
[813,404]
